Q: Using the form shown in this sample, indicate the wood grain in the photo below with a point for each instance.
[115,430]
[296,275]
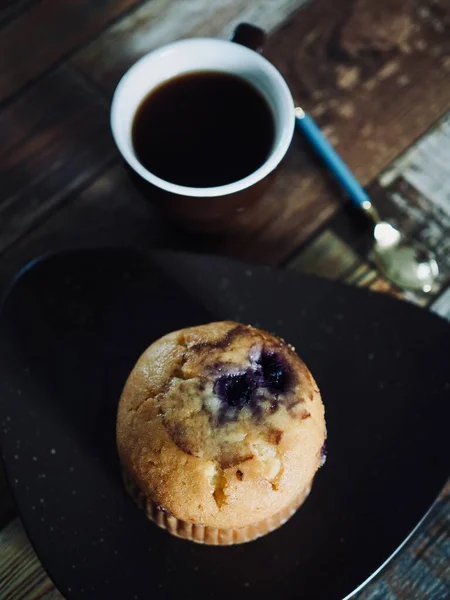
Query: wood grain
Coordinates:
[10,9]
[375,75]
[328,256]
[21,573]
[109,211]
[55,139]
[301,199]
[159,22]
[46,32]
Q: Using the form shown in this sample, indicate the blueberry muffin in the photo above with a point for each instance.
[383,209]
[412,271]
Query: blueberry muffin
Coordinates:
[220,431]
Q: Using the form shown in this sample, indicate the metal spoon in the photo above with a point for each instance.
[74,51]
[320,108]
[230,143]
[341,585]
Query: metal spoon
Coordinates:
[407,263]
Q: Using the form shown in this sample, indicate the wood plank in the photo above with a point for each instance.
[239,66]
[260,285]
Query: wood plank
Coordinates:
[10,9]
[299,202]
[159,22]
[375,75]
[109,211]
[46,32]
[328,256]
[21,574]
[55,139]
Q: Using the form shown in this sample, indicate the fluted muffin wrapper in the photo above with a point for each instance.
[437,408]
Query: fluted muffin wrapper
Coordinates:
[203,534]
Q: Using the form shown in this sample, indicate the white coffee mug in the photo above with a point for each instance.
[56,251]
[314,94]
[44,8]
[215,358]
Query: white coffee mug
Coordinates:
[205,208]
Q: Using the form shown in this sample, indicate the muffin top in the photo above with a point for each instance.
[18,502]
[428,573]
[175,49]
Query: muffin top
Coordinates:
[221,424]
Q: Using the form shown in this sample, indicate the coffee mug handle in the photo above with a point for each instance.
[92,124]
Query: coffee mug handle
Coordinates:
[250,36]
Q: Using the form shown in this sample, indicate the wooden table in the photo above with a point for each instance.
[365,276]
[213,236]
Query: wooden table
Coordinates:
[376,75]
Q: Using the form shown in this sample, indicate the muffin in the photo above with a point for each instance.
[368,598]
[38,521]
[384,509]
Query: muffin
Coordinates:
[220,431]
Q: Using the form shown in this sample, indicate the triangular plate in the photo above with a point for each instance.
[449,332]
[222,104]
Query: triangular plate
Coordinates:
[71,328]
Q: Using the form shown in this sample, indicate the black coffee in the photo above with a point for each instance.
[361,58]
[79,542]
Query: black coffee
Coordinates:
[203,129]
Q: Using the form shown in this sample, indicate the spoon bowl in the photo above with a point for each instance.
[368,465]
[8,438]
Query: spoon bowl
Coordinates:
[407,263]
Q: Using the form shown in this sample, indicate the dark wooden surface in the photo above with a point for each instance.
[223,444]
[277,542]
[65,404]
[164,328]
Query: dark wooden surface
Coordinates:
[45,32]
[376,75]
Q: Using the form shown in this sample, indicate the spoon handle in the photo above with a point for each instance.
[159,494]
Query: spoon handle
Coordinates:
[309,128]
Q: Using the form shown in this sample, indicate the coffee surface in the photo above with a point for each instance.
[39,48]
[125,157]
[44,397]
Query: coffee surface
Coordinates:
[203,129]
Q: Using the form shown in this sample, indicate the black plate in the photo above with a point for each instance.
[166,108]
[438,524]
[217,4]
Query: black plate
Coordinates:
[72,327]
